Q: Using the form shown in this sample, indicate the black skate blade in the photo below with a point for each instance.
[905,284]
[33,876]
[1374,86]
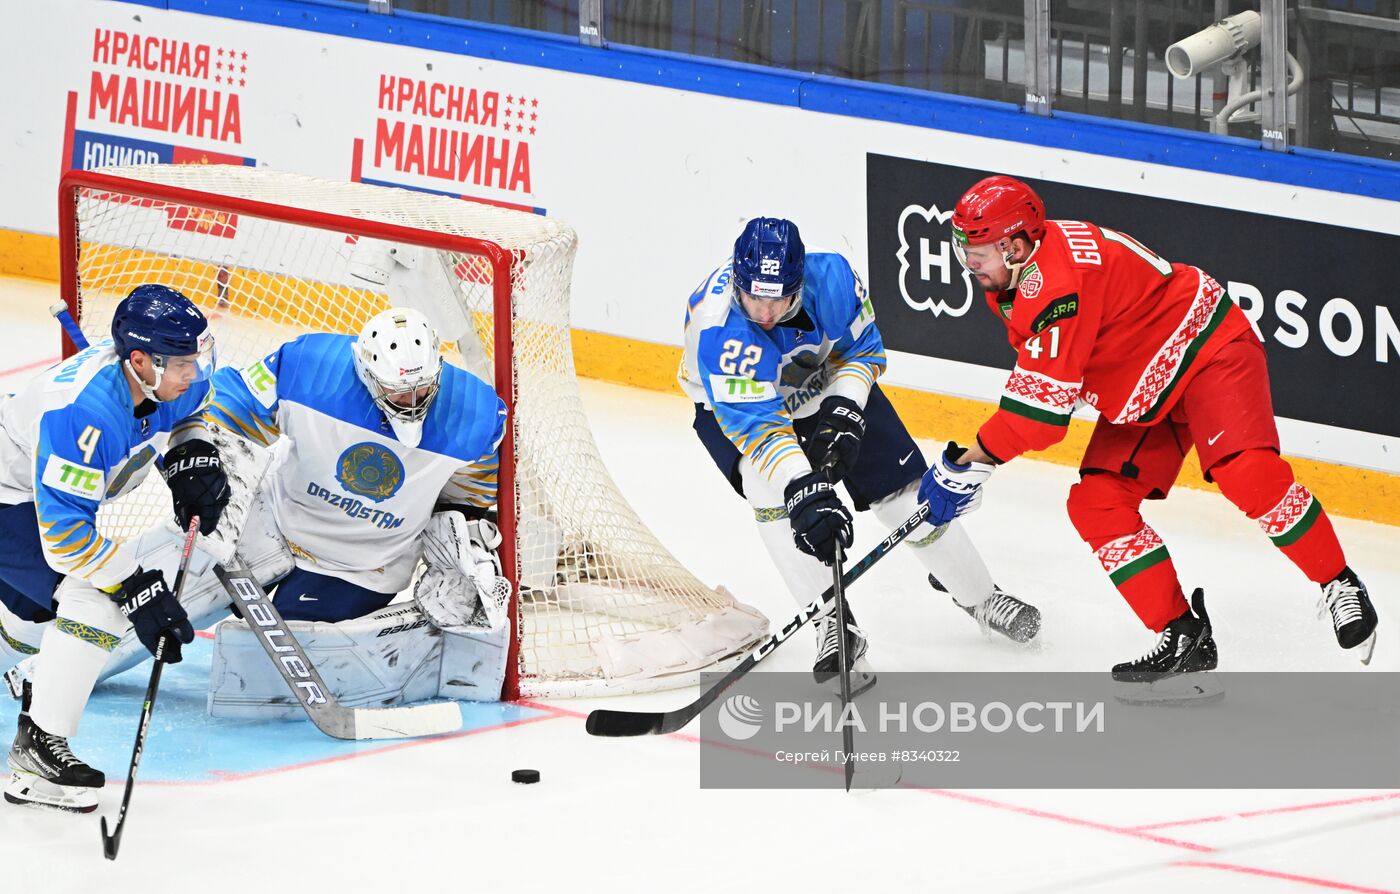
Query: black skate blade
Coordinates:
[862,679]
[1367,649]
[1171,691]
[45,805]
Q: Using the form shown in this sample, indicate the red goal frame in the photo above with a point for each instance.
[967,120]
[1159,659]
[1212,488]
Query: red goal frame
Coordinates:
[499,259]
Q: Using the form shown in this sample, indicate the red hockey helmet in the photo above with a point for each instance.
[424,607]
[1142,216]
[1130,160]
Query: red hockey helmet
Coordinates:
[997,208]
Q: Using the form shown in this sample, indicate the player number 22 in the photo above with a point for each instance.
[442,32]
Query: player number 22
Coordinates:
[731,365]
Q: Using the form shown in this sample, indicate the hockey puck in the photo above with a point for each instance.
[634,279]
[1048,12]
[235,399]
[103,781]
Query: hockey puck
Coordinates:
[525,776]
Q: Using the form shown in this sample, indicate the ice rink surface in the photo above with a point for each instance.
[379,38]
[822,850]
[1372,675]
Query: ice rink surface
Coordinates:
[222,806]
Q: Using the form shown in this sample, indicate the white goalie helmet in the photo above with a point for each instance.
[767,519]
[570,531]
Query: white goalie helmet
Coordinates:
[397,358]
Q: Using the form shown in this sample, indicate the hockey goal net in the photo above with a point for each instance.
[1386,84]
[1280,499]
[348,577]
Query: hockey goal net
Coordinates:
[600,605]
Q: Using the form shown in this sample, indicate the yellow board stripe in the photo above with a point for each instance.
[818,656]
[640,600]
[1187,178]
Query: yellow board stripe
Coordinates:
[1343,490]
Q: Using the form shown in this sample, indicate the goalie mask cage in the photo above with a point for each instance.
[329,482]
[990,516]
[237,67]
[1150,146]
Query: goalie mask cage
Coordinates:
[599,605]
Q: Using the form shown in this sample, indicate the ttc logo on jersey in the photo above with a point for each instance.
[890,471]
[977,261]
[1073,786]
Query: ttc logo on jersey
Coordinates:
[370,470]
[926,279]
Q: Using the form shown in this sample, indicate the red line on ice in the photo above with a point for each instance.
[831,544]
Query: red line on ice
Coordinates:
[1270,811]
[32,364]
[1285,876]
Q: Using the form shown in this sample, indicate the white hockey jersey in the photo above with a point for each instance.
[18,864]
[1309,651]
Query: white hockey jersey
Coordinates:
[70,441]
[348,496]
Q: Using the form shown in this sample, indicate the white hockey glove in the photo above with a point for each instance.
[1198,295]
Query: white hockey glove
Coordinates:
[463,572]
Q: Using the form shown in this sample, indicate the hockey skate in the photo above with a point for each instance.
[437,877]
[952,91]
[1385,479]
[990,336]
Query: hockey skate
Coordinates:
[45,773]
[1000,612]
[827,667]
[1353,615]
[1176,670]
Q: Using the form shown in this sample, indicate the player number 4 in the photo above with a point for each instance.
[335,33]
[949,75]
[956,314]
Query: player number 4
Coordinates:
[1034,347]
[87,442]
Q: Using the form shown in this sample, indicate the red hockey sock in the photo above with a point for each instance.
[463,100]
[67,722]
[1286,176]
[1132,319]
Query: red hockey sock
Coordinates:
[1142,570]
[1261,483]
[1104,509]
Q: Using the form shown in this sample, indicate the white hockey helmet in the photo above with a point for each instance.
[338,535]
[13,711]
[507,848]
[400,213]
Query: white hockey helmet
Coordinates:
[397,358]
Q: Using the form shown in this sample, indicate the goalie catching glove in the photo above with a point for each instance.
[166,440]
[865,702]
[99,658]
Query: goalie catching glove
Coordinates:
[463,571]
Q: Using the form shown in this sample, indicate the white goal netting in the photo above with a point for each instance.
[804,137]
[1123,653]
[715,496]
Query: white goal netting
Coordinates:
[601,606]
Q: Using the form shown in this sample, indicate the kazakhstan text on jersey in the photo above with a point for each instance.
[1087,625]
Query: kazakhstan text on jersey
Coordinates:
[350,498]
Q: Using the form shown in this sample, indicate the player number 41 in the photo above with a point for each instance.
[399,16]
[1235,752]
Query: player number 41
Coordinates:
[1035,348]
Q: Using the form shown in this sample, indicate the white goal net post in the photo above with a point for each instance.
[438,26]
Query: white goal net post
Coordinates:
[600,606]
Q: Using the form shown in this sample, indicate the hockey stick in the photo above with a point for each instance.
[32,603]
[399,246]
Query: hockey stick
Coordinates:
[110,843]
[70,326]
[843,661]
[287,656]
[605,722]
[843,652]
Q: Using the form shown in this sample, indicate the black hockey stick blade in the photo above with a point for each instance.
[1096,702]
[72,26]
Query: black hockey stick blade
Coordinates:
[612,723]
[110,843]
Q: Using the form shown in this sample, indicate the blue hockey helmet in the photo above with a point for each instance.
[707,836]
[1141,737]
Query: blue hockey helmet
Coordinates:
[769,260]
[165,324]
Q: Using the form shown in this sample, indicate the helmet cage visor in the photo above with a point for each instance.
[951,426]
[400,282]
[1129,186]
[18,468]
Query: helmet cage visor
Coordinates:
[406,398]
[188,368]
[764,291]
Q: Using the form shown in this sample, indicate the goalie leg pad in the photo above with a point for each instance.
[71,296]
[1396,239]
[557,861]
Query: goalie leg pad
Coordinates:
[473,663]
[389,657]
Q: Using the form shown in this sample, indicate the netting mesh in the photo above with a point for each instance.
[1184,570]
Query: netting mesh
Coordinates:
[601,606]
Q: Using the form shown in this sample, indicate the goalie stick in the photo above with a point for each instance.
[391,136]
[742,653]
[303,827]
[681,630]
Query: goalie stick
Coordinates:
[330,717]
[110,843]
[610,723]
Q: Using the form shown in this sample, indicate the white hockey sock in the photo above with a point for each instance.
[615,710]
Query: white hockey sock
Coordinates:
[75,648]
[951,557]
[806,577]
[18,639]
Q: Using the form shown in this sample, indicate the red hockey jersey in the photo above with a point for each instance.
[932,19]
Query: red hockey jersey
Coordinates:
[1100,318]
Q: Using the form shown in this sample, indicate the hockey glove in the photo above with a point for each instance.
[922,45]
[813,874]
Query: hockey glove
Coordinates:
[465,567]
[819,520]
[154,612]
[951,488]
[198,486]
[840,426]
